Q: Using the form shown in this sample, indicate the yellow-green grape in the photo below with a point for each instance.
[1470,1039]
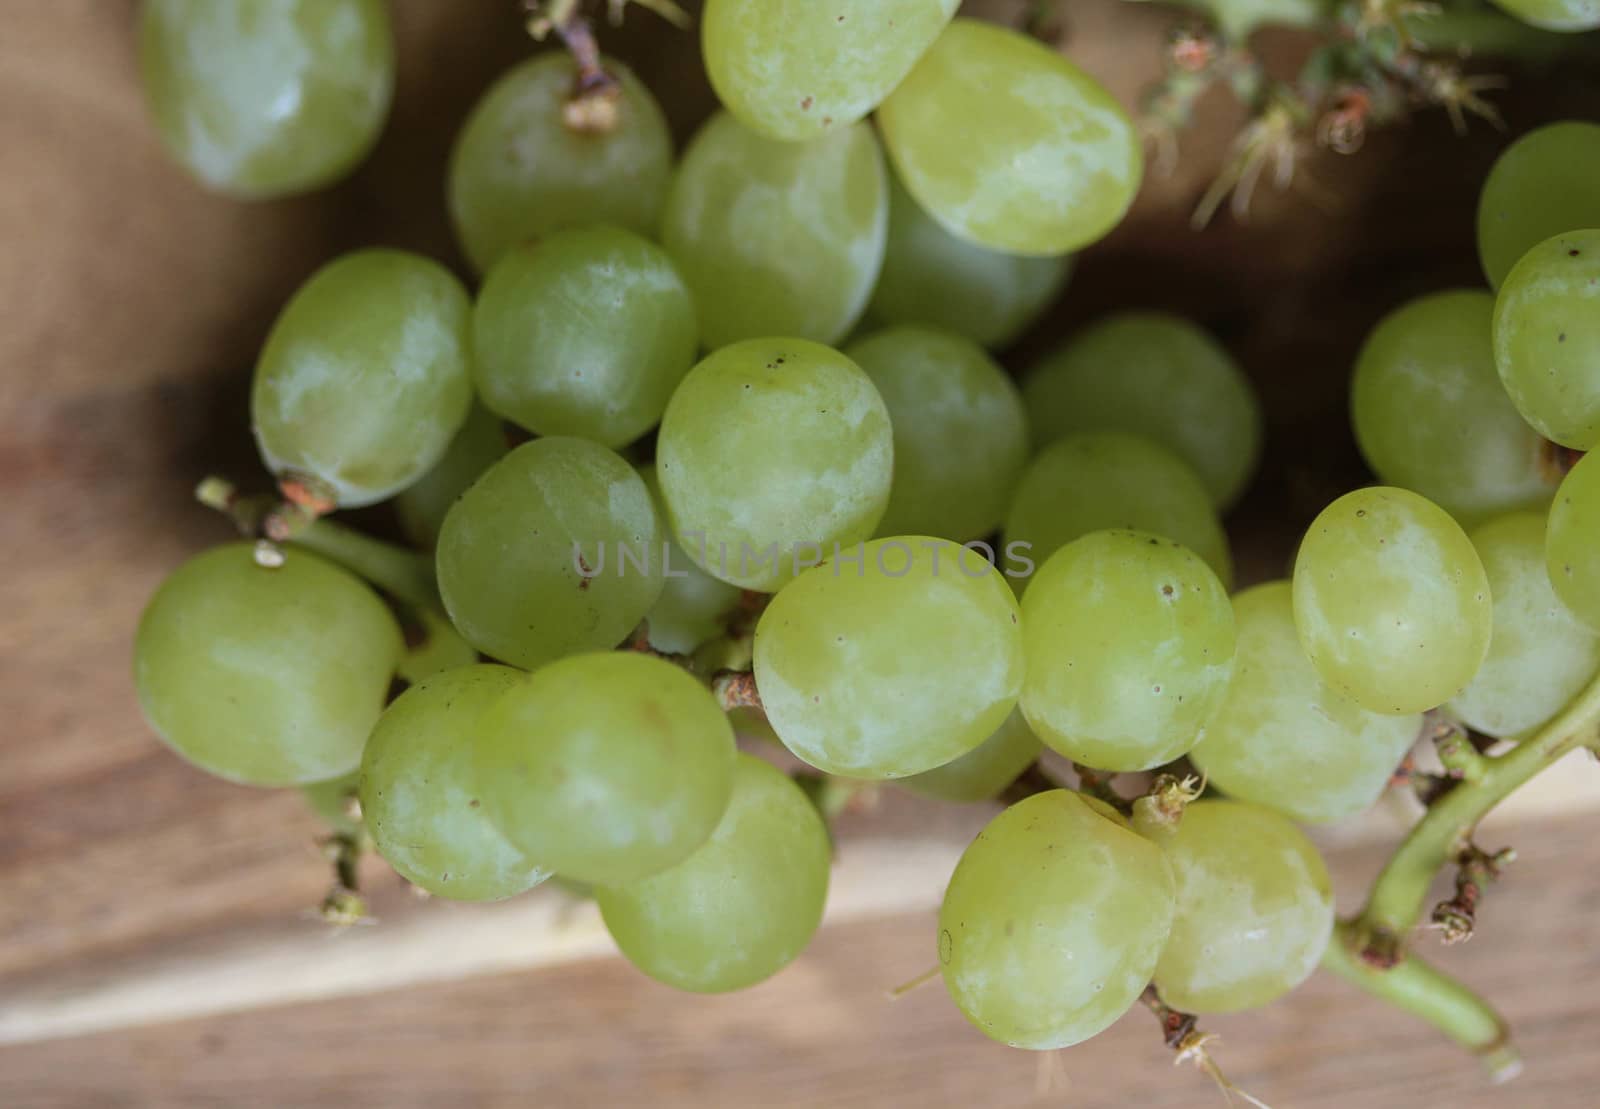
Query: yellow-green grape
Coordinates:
[1547,338]
[1255,909]
[555,550]
[269,677]
[1431,415]
[1156,375]
[519,170]
[694,607]
[1541,185]
[1572,541]
[1129,640]
[419,795]
[985,770]
[772,451]
[606,768]
[1286,739]
[365,376]
[1009,145]
[1391,601]
[744,905]
[960,435]
[421,506]
[1556,15]
[777,238]
[586,333]
[1540,654]
[1093,481]
[1053,922]
[267,98]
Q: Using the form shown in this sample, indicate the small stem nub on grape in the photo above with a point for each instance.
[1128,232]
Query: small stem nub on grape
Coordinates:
[736,689]
[1461,758]
[1457,918]
[594,107]
[1160,810]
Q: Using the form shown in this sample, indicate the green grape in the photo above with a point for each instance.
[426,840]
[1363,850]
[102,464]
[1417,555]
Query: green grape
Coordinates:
[694,607]
[1286,739]
[1541,185]
[421,506]
[1156,375]
[1556,15]
[519,171]
[891,658]
[769,450]
[1483,30]
[985,770]
[1572,539]
[1391,601]
[365,376]
[1129,640]
[331,801]
[1093,481]
[556,549]
[1009,145]
[743,905]
[777,238]
[1053,922]
[960,435]
[1255,909]
[419,795]
[1540,654]
[269,677]
[1430,413]
[606,767]
[267,98]
[1547,338]
[584,333]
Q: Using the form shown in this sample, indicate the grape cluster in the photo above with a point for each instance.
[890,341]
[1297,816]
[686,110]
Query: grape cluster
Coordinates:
[916,570]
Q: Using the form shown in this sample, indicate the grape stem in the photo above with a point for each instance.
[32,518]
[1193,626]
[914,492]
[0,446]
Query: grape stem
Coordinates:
[405,575]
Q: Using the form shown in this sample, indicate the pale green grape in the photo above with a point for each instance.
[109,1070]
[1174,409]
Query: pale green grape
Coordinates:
[1540,655]
[985,770]
[419,795]
[1053,922]
[606,767]
[267,98]
[694,606]
[422,505]
[960,435]
[1572,541]
[1556,15]
[1541,185]
[1255,909]
[1483,30]
[519,172]
[1286,739]
[1009,145]
[770,450]
[365,376]
[1547,338]
[743,905]
[1156,375]
[1129,640]
[1093,481]
[1391,601]
[556,549]
[777,238]
[1430,413]
[270,677]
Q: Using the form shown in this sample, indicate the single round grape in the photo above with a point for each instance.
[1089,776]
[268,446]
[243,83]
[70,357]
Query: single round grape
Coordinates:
[1156,375]
[1547,338]
[1572,539]
[419,795]
[985,770]
[519,171]
[1129,641]
[1555,15]
[556,549]
[1255,909]
[694,607]
[1391,601]
[267,98]
[744,905]
[606,767]
[1284,738]
[891,658]
[1541,185]
[1430,413]
[1053,922]
[793,69]
[421,506]
[365,376]
[960,435]
[1009,145]
[586,333]
[269,677]
[1092,481]
[777,238]
[770,451]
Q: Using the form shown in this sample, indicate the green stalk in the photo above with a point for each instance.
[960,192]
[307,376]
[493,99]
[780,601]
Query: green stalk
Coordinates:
[403,574]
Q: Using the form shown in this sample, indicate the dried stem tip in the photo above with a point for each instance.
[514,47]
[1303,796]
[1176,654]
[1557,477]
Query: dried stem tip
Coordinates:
[736,689]
[1457,918]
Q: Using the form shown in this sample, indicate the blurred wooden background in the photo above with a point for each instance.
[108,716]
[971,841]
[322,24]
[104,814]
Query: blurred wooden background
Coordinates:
[131,305]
